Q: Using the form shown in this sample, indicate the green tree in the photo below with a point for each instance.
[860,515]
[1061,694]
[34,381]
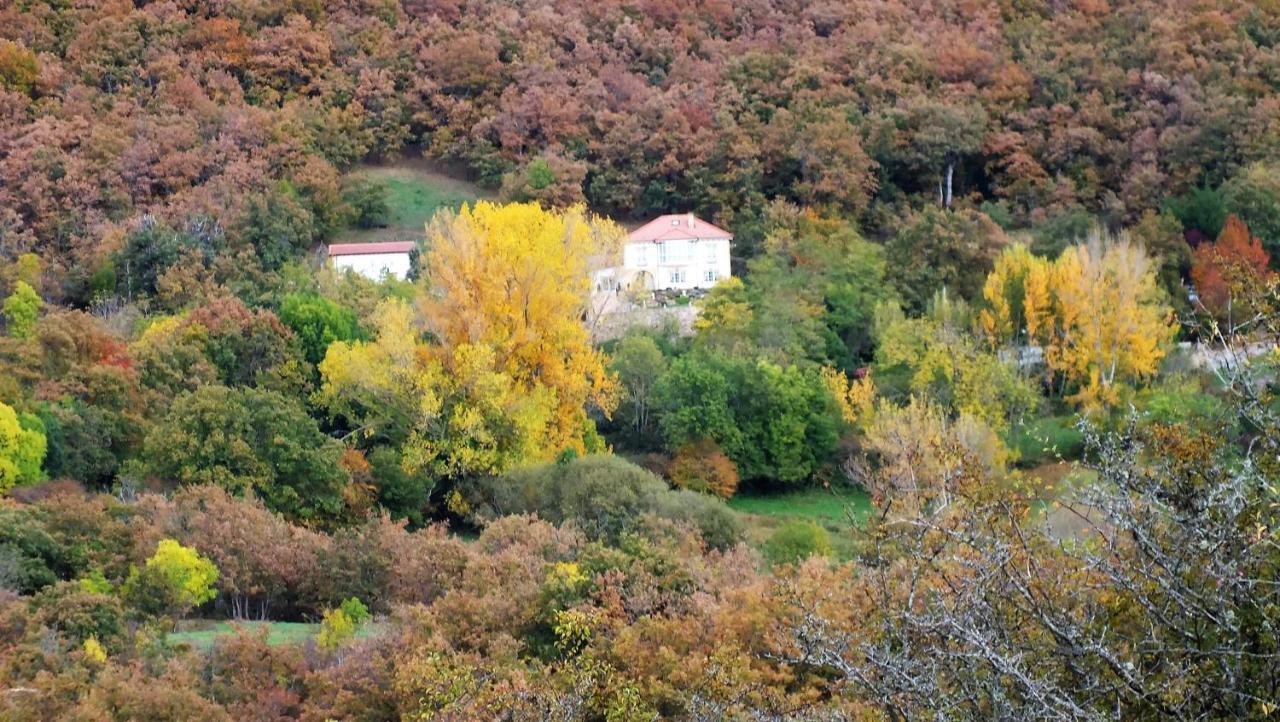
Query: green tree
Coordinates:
[1200,209]
[777,423]
[30,558]
[938,249]
[937,358]
[22,448]
[249,440]
[403,493]
[1160,234]
[639,363]
[150,250]
[318,322]
[21,309]
[826,265]
[368,202]
[277,224]
[931,136]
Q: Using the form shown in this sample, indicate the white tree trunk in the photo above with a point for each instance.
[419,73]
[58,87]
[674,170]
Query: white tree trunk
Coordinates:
[951,169]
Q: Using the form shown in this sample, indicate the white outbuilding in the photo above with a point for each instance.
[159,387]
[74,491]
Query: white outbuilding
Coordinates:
[373,260]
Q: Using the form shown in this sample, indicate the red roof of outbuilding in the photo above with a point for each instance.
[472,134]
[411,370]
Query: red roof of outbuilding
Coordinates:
[363,249]
[676,227]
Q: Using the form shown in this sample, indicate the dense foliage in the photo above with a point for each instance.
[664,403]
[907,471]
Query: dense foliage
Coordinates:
[230,124]
[1004,273]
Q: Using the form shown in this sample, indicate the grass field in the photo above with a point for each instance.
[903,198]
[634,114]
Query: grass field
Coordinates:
[202,633]
[833,509]
[822,505]
[416,189]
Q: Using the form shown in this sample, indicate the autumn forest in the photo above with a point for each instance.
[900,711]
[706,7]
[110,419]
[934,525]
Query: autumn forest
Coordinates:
[979,422]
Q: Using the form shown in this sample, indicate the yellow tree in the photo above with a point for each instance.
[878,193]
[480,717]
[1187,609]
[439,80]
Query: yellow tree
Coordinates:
[1097,312]
[448,414]
[514,279]
[1003,318]
[1112,322]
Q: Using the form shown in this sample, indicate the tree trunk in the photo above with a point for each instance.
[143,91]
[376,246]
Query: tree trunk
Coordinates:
[951,170]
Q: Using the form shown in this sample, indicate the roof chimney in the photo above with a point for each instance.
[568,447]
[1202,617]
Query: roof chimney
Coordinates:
[690,217]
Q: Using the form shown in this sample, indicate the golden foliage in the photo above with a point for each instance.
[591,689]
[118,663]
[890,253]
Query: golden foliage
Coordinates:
[856,399]
[513,279]
[1097,311]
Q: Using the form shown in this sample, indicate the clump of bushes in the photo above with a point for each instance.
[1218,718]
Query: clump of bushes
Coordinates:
[1183,406]
[603,496]
[340,625]
[797,540]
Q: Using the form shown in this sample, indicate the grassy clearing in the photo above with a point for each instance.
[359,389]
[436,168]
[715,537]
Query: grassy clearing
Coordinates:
[822,505]
[202,633]
[416,189]
[832,509]
[1045,440]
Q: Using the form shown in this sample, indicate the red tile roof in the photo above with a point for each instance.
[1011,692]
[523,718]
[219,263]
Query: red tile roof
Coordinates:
[676,227]
[362,249]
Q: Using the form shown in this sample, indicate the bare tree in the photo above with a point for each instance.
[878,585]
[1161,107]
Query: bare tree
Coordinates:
[1165,606]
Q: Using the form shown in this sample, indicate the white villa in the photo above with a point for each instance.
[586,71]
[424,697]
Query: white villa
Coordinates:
[670,253]
[373,260]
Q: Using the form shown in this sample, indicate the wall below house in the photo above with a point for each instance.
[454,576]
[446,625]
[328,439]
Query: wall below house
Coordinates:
[375,265]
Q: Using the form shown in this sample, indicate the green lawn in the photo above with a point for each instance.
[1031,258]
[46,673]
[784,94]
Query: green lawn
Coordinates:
[414,199]
[761,514]
[822,505]
[415,191]
[202,633]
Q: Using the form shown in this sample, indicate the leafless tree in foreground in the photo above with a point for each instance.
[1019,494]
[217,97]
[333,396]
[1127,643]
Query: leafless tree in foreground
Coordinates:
[1166,605]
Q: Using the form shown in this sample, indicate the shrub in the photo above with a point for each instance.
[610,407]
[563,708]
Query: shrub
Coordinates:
[336,629]
[796,541]
[355,610]
[704,468]
[79,615]
[603,496]
[1182,406]
[368,202]
[30,559]
[94,651]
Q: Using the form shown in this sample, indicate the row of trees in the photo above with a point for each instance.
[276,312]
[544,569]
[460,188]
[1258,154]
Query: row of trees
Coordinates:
[335,394]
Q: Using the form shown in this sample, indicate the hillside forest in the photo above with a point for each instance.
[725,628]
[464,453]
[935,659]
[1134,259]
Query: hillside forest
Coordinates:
[984,425]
